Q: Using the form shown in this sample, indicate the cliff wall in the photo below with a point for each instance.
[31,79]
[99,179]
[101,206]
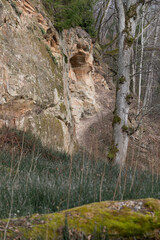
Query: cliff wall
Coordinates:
[47,80]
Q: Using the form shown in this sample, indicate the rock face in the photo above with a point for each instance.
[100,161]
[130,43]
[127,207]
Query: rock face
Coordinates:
[132,219]
[31,84]
[77,46]
[46,78]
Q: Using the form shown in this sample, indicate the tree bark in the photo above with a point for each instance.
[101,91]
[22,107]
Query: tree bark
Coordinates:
[126,18]
[105,10]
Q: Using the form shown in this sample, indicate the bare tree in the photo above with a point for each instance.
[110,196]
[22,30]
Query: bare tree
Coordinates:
[141,59]
[148,92]
[135,21]
[128,13]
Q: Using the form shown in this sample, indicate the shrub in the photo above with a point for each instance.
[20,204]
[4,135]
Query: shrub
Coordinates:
[72,13]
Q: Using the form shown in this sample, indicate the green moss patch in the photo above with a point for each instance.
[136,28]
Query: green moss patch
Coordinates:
[122,80]
[129,97]
[123,220]
[129,40]
[112,52]
[112,152]
[125,128]
[152,205]
[116,119]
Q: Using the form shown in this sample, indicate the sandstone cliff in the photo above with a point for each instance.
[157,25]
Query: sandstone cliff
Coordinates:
[48,82]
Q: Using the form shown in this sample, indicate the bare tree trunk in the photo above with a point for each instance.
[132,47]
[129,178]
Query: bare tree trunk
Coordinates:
[133,73]
[127,24]
[134,66]
[105,9]
[148,92]
[141,61]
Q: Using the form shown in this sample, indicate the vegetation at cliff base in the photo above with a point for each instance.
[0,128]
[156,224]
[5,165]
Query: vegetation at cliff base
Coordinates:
[35,179]
[72,13]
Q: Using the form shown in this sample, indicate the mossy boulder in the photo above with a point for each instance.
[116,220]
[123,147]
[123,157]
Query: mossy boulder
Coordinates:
[132,219]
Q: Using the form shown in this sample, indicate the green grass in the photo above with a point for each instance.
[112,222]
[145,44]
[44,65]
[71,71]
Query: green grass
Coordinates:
[35,179]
